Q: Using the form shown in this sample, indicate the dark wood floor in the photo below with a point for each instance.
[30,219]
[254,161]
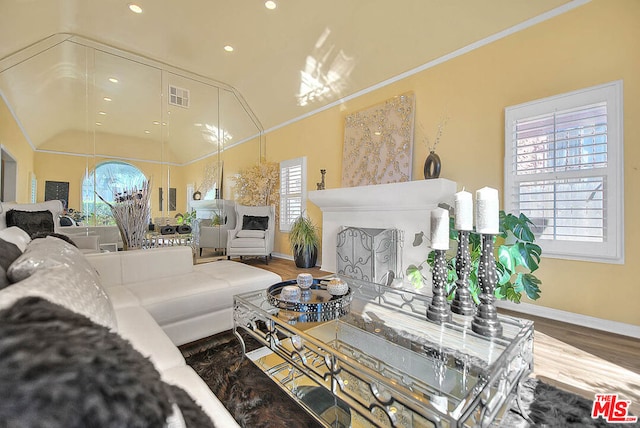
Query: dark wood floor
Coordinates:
[575,358]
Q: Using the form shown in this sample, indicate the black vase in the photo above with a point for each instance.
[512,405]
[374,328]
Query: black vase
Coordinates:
[432,166]
[305,259]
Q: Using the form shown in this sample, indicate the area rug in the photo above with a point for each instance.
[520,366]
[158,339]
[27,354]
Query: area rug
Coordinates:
[256,402]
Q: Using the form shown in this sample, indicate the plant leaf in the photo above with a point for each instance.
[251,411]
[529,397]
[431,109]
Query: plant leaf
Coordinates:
[506,258]
[521,229]
[517,284]
[529,255]
[503,275]
[531,286]
[418,239]
[513,295]
[415,276]
[507,291]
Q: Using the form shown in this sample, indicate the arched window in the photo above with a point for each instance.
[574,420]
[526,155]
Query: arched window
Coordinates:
[107,180]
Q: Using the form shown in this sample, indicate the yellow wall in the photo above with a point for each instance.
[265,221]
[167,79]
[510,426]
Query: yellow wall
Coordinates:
[14,142]
[56,167]
[593,44]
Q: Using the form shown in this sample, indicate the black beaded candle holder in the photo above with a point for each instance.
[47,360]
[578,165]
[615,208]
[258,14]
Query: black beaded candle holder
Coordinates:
[439,310]
[486,322]
[462,302]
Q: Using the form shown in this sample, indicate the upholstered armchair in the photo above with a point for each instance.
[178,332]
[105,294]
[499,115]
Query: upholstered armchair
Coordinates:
[212,235]
[33,218]
[254,232]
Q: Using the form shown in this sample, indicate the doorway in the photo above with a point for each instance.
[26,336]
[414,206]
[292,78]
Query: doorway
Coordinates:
[8,176]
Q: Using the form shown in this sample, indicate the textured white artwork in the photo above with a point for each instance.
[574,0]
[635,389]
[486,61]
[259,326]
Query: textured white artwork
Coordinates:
[378,143]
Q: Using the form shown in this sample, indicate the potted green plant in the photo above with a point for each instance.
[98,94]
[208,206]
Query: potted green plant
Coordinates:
[304,241]
[517,257]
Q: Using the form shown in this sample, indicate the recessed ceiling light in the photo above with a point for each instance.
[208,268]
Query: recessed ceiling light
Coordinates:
[102,113]
[146,131]
[99,123]
[113,80]
[197,124]
[155,122]
[228,48]
[107,99]
[270,4]
[135,8]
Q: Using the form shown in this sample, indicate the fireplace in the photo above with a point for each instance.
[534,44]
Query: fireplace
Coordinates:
[405,207]
[368,254]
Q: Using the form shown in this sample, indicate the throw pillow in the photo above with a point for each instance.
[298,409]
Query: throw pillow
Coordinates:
[183,229]
[251,234]
[31,221]
[252,222]
[59,369]
[17,236]
[9,252]
[57,271]
[66,221]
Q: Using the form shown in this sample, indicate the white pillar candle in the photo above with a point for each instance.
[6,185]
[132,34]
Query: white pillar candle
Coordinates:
[463,210]
[440,229]
[487,211]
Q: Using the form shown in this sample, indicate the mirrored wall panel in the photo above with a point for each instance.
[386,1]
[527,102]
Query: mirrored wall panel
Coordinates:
[102,120]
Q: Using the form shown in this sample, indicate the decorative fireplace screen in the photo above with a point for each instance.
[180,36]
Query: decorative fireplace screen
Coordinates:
[368,254]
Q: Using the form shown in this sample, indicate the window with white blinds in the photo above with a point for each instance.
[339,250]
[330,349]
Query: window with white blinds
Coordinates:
[563,170]
[293,191]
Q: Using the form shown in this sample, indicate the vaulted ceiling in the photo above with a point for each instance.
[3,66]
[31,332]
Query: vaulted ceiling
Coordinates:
[287,62]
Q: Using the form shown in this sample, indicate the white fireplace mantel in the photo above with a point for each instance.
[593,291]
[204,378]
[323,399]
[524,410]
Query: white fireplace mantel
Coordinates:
[405,206]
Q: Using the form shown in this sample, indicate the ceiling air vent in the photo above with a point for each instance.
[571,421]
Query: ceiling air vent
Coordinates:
[178,96]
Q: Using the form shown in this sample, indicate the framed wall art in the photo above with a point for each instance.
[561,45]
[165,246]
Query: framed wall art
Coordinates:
[378,143]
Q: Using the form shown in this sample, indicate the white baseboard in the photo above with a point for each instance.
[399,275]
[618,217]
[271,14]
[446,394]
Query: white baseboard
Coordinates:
[282,256]
[572,318]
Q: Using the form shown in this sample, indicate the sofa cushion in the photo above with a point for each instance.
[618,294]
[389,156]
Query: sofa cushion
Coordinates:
[8,253]
[31,221]
[109,267]
[255,222]
[138,327]
[121,296]
[247,243]
[176,298]
[242,276]
[16,236]
[156,263]
[52,269]
[251,234]
[59,369]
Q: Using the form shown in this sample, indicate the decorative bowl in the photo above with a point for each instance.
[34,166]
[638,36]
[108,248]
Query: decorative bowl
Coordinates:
[304,281]
[290,293]
[337,287]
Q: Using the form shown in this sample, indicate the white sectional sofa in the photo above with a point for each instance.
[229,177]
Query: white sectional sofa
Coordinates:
[158,299]
[189,302]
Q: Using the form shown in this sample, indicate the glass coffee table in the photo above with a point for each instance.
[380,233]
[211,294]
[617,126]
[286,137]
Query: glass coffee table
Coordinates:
[371,358]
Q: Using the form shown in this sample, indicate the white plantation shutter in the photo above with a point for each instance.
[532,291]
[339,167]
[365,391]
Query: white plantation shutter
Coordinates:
[293,185]
[563,170]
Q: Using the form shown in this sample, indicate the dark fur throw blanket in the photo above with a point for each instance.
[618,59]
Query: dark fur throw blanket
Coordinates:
[59,369]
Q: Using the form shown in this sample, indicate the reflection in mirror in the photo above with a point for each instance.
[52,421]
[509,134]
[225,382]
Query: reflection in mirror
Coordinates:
[79,105]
